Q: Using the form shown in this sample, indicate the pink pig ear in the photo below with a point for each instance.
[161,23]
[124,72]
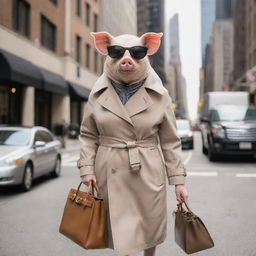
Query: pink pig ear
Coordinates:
[101,41]
[152,41]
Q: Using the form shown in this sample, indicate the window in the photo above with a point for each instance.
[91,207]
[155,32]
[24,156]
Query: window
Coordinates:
[78,8]
[47,137]
[95,61]
[95,22]
[87,14]
[48,34]
[87,55]
[21,17]
[78,49]
[54,1]
[10,105]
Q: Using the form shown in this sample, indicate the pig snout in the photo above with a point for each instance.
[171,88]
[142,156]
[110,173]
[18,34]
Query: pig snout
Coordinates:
[126,64]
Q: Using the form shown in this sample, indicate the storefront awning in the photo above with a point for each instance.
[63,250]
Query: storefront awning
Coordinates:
[78,92]
[53,82]
[14,69]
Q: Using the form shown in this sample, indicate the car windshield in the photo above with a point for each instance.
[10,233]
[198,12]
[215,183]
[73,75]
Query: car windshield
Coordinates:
[183,125]
[15,137]
[233,113]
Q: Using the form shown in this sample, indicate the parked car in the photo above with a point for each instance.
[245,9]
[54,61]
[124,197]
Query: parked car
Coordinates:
[185,133]
[27,153]
[229,130]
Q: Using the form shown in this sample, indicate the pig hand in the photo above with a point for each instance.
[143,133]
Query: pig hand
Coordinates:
[87,178]
[181,193]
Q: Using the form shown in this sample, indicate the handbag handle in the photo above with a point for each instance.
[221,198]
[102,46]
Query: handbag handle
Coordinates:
[186,204]
[90,188]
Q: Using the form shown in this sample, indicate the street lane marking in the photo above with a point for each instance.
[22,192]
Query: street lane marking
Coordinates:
[188,158]
[246,175]
[211,174]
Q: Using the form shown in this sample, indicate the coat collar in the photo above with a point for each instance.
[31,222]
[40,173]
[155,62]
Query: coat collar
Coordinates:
[140,101]
[152,82]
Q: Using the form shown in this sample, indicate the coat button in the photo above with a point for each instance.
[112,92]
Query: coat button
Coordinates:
[114,170]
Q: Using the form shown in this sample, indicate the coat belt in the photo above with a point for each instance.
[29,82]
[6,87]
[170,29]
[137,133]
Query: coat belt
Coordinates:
[131,145]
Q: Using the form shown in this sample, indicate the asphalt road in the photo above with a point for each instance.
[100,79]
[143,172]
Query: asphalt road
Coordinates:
[222,194]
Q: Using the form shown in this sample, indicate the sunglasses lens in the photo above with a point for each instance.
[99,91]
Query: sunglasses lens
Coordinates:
[138,52]
[115,51]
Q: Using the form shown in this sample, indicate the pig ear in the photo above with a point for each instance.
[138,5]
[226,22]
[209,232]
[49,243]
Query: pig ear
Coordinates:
[152,41]
[101,41]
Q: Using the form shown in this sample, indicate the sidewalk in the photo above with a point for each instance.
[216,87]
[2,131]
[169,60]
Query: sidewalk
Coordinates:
[72,145]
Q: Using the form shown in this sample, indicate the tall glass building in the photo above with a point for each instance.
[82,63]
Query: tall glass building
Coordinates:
[207,19]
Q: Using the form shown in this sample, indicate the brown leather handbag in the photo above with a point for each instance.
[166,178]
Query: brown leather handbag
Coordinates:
[84,218]
[190,232]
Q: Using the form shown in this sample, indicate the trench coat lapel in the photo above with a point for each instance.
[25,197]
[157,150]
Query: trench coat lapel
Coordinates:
[110,100]
[141,100]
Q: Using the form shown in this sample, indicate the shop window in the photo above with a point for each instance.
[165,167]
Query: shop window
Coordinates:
[87,55]
[78,49]
[10,105]
[75,112]
[87,14]
[48,34]
[78,8]
[43,108]
[95,22]
[21,17]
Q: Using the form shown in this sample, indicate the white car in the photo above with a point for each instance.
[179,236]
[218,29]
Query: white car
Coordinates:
[27,153]
[185,133]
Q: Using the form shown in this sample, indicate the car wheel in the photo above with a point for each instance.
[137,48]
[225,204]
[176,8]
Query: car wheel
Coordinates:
[57,169]
[213,156]
[205,150]
[27,178]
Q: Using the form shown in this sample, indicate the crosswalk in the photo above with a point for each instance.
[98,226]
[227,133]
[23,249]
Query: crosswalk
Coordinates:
[69,159]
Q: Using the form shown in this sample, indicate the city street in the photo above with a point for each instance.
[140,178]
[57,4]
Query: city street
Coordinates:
[222,194]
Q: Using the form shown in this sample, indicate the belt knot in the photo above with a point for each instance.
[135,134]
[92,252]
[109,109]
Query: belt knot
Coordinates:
[131,144]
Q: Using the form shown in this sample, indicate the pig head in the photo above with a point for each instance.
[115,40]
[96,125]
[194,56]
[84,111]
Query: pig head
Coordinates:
[126,69]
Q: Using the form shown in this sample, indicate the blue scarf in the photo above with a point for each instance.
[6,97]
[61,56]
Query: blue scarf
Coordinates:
[126,91]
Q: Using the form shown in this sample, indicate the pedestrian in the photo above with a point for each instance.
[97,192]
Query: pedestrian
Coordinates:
[129,144]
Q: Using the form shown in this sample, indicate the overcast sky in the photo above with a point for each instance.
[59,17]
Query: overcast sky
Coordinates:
[190,45]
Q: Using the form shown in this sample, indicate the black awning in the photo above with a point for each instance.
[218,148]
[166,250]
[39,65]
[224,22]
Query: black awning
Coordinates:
[14,69]
[78,92]
[53,82]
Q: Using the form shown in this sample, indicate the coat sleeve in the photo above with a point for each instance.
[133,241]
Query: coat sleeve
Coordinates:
[171,147]
[88,139]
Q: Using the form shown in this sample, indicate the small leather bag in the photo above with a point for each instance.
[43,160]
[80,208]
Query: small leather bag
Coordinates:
[190,232]
[84,218]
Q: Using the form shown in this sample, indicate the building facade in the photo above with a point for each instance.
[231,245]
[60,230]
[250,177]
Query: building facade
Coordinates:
[119,17]
[223,46]
[245,30]
[176,83]
[207,19]
[239,22]
[223,9]
[151,18]
[48,62]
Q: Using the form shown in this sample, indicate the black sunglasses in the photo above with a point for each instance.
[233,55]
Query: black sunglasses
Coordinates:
[137,52]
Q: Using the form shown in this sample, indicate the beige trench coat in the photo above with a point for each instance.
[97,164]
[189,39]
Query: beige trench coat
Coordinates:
[119,145]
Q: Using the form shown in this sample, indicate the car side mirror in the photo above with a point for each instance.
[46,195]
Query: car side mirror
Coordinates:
[39,144]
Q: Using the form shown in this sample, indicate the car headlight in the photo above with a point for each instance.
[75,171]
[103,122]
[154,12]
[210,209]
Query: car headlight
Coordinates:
[190,134]
[11,161]
[218,131]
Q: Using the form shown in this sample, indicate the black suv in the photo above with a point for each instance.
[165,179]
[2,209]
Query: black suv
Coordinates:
[229,129]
